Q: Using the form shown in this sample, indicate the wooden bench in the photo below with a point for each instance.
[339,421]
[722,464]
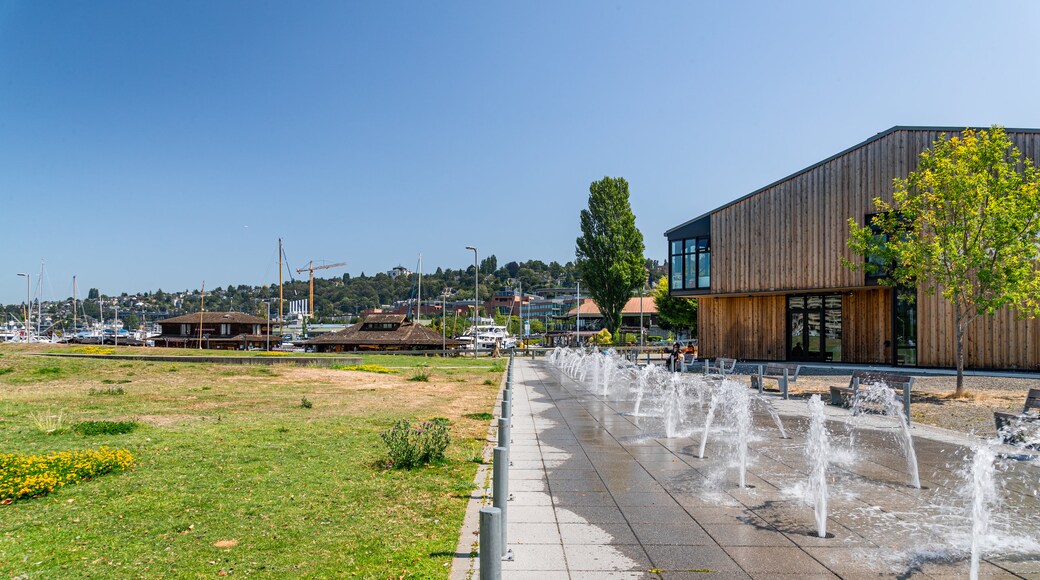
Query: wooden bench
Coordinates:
[782,373]
[846,396]
[721,366]
[1010,426]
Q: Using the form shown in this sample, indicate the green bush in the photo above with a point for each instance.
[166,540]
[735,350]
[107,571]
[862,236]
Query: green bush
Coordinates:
[420,376]
[107,391]
[305,403]
[105,427]
[409,446]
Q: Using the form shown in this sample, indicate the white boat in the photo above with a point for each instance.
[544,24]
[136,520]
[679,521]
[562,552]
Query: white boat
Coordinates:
[486,336]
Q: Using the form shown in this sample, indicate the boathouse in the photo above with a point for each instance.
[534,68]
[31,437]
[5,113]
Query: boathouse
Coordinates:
[382,332]
[220,330]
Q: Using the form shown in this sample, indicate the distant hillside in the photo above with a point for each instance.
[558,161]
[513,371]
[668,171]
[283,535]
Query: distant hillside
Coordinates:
[335,298]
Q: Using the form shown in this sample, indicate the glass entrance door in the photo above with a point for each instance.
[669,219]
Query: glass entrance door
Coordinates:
[814,328]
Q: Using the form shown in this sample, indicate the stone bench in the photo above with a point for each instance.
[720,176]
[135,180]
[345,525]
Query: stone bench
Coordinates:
[782,373]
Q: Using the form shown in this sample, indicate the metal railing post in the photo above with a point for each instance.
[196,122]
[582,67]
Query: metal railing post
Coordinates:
[507,410]
[785,383]
[503,432]
[491,526]
[500,492]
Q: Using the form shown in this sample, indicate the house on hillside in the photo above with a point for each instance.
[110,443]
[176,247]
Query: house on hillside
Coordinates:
[220,330]
[767,271]
[382,332]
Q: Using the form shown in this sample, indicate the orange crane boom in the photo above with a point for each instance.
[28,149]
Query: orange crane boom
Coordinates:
[311,268]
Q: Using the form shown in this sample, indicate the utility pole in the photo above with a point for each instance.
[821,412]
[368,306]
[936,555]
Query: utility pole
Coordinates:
[280,298]
[476,300]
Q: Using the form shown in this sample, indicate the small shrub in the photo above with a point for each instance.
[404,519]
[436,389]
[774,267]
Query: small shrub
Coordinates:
[420,376]
[105,427]
[305,403]
[115,381]
[49,422]
[6,370]
[480,416]
[497,367]
[489,382]
[108,391]
[34,475]
[409,446]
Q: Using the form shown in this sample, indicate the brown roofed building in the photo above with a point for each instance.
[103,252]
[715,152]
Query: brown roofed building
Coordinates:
[220,330]
[381,332]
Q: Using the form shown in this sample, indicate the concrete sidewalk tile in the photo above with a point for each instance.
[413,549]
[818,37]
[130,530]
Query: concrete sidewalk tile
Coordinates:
[526,474]
[589,514]
[646,499]
[531,514]
[619,557]
[582,498]
[601,533]
[656,515]
[530,498]
[743,535]
[579,485]
[690,558]
[527,485]
[537,557]
[775,560]
[533,533]
[602,575]
[671,534]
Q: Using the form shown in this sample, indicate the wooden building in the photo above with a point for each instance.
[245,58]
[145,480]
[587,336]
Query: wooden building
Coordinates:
[767,272]
[220,330]
[382,332]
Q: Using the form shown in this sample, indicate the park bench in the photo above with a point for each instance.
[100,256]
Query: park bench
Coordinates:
[846,396]
[782,373]
[720,366]
[689,362]
[1011,427]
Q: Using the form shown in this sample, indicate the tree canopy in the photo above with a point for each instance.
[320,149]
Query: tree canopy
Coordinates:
[966,224]
[610,249]
[674,313]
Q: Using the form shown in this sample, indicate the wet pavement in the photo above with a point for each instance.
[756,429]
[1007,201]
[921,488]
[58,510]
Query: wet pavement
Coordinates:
[601,493]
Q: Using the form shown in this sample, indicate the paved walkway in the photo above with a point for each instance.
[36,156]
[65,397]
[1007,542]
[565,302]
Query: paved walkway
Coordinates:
[600,493]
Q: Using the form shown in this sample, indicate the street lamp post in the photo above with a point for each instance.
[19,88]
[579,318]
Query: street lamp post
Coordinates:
[476,291]
[28,304]
[268,303]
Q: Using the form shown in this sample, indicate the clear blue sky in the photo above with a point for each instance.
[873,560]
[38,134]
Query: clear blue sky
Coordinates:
[159,144]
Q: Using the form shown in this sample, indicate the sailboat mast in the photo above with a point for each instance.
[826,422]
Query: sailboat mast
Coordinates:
[202,308]
[418,304]
[280,287]
[74,303]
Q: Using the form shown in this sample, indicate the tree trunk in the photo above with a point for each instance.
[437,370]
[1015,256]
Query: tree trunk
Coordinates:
[960,392]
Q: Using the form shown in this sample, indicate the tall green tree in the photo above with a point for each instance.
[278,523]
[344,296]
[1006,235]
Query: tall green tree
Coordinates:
[673,312]
[610,249]
[966,224]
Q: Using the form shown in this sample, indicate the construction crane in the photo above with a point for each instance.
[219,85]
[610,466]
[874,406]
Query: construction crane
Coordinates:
[311,268]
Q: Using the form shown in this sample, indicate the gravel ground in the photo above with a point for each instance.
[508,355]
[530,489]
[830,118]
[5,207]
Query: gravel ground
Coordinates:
[931,400]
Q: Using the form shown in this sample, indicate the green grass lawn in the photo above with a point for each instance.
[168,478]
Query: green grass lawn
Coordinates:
[234,476]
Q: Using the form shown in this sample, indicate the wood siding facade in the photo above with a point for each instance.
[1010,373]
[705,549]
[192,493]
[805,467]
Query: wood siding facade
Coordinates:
[790,238]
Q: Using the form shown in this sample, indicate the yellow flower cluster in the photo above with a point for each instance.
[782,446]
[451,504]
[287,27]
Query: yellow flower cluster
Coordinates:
[32,475]
[93,350]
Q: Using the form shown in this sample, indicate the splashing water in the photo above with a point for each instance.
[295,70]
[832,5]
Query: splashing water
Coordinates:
[883,396]
[984,496]
[817,451]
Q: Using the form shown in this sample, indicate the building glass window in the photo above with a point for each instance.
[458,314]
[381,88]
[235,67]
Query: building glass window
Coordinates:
[690,264]
[905,326]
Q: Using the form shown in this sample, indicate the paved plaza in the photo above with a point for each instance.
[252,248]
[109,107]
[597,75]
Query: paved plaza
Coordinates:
[598,492]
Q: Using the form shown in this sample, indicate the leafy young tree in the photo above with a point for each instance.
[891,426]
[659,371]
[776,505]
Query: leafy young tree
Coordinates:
[966,224]
[610,249]
[674,313]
